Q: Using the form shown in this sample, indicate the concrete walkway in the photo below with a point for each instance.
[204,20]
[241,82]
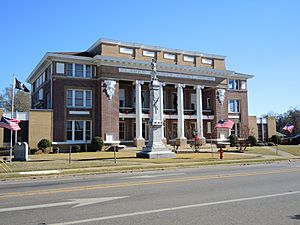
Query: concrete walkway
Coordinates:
[284,154]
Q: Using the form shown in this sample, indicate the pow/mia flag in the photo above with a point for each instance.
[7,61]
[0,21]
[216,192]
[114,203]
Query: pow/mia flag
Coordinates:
[19,85]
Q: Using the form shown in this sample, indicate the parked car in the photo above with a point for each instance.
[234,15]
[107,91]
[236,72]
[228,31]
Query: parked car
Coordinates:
[295,140]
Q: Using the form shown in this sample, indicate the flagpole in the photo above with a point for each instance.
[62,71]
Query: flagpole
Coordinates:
[12,111]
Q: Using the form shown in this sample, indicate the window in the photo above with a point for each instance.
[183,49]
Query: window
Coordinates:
[78,70]
[174,130]
[78,130]
[122,98]
[188,58]
[233,84]
[144,102]
[88,71]
[122,131]
[174,100]
[193,101]
[169,56]
[69,69]
[125,50]
[60,68]
[79,98]
[208,103]
[207,61]
[41,94]
[234,105]
[208,128]
[148,53]
[243,85]
[237,85]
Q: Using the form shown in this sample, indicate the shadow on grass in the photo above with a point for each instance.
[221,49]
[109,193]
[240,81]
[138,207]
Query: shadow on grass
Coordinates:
[295,217]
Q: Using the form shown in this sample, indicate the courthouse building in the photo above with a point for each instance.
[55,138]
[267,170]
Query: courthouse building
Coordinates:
[104,91]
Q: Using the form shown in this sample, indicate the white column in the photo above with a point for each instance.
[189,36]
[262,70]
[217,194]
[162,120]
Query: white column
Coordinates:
[180,110]
[199,110]
[138,108]
[161,102]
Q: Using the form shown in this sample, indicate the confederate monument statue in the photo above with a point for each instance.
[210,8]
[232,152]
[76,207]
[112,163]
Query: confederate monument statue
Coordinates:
[155,148]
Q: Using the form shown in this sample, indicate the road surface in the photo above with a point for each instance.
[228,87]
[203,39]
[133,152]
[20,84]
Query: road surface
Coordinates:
[266,194]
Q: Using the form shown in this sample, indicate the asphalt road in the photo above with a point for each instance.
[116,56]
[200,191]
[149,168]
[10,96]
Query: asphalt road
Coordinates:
[248,194]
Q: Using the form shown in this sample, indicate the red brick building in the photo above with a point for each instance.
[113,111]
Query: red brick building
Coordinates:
[103,91]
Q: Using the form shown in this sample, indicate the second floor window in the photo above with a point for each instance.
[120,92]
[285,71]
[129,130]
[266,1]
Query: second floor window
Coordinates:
[79,98]
[234,105]
[237,85]
[78,70]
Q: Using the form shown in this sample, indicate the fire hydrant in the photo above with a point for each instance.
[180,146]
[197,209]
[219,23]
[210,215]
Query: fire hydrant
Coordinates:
[221,153]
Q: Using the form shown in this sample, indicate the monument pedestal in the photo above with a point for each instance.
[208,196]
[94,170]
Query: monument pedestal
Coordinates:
[155,148]
[181,143]
[139,142]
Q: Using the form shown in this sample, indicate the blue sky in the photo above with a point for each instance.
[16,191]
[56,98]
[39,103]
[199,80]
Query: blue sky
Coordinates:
[259,37]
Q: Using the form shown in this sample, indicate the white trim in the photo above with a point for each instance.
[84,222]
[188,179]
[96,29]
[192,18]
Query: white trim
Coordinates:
[79,112]
[149,53]
[84,98]
[188,58]
[73,131]
[207,61]
[169,56]
[126,50]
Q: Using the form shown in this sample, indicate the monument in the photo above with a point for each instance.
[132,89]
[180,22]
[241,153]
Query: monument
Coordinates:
[155,148]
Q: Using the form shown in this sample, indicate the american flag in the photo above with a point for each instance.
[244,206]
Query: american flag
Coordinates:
[11,124]
[225,124]
[289,128]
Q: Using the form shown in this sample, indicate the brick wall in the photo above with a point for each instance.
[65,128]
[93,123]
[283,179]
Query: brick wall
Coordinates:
[40,126]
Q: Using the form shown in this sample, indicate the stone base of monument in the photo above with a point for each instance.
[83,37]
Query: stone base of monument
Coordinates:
[139,142]
[164,140]
[181,143]
[156,154]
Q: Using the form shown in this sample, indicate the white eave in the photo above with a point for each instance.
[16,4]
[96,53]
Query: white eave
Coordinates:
[153,48]
[49,57]
[137,64]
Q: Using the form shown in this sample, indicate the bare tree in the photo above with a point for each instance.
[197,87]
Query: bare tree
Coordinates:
[21,103]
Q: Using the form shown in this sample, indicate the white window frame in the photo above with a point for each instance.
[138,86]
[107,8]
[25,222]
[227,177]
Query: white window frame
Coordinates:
[236,105]
[233,84]
[125,50]
[84,71]
[194,101]
[148,53]
[207,61]
[209,128]
[124,131]
[84,131]
[60,68]
[84,98]
[169,56]
[208,103]
[189,58]
[122,97]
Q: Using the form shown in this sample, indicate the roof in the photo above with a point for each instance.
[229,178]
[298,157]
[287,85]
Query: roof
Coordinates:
[151,47]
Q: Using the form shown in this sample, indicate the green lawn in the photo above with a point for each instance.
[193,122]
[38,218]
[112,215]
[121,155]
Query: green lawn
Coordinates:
[260,150]
[105,160]
[292,149]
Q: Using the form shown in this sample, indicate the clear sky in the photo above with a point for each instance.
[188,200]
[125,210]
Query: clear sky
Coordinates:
[259,37]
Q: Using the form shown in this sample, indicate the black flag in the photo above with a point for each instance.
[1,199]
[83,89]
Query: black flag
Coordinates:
[21,86]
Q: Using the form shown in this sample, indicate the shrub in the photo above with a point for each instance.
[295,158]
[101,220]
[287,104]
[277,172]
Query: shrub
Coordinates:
[55,149]
[43,144]
[97,144]
[233,140]
[76,148]
[276,139]
[252,140]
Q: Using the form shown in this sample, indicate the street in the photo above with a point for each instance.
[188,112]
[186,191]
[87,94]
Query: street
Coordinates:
[240,194]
